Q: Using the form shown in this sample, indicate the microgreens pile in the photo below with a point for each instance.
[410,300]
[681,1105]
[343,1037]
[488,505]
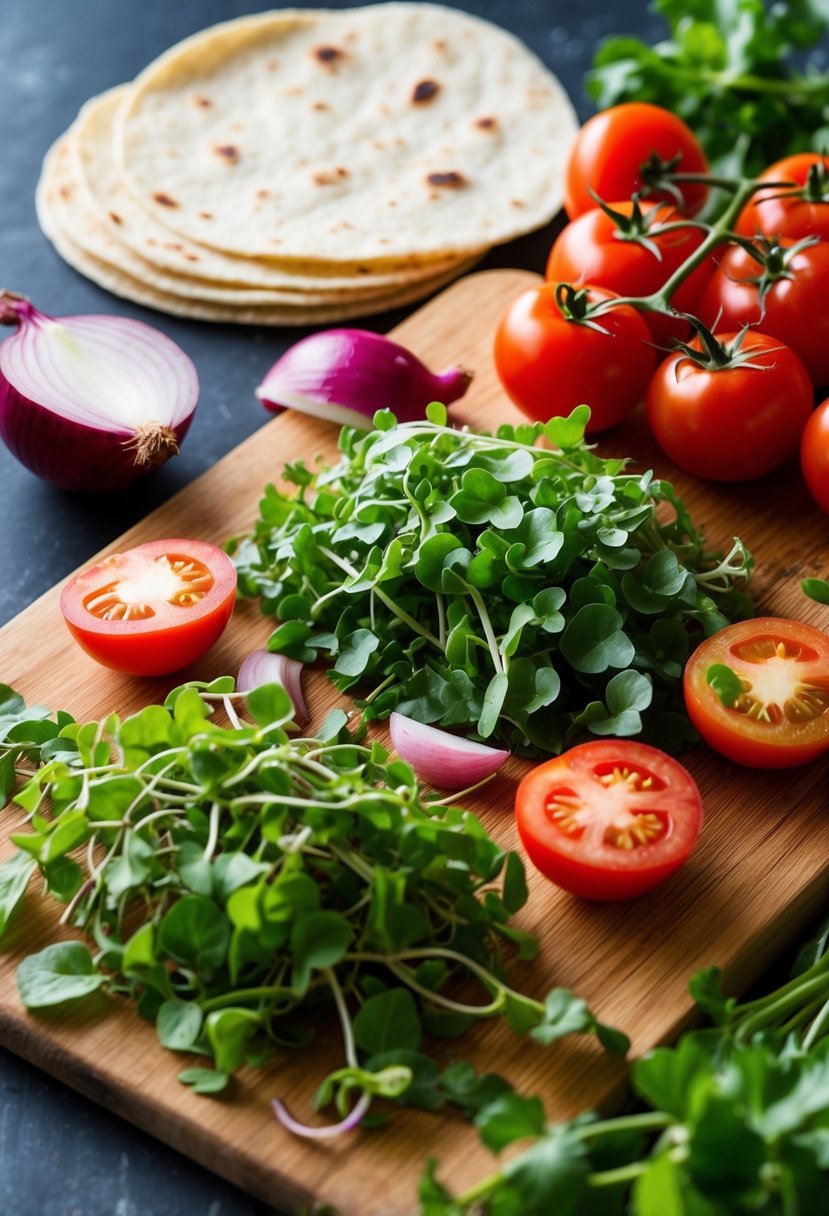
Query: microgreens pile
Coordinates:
[235,879]
[736,1121]
[532,594]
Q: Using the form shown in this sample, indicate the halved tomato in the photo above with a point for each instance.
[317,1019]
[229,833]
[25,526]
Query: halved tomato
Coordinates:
[609,820]
[781,718]
[152,609]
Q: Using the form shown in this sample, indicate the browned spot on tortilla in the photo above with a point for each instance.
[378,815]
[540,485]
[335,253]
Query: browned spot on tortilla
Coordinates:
[329,55]
[151,240]
[392,202]
[277,240]
[378,144]
[65,192]
[339,227]
[451,180]
[351,36]
[173,245]
[200,100]
[262,193]
[486,124]
[228,152]
[383,240]
[424,91]
[384,109]
[329,177]
[206,215]
[400,141]
[320,105]
[439,44]
[363,270]
[192,257]
[164,200]
[517,202]
[272,65]
[115,217]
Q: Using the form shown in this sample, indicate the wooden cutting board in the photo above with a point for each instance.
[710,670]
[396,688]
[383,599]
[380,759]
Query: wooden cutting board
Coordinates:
[755,880]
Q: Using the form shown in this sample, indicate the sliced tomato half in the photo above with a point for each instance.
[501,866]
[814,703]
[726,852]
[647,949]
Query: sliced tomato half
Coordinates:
[609,820]
[781,717]
[152,609]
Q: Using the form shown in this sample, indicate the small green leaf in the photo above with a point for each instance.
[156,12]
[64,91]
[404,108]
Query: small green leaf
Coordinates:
[62,972]
[195,932]
[355,652]
[14,879]
[319,939]
[816,589]
[436,413]
[387,1022]
[269,705]
[564,1014]
[204,1080]
[726,683]
[508,1118]
[178,1024]
[594,640]
[229,1031]
[493,703]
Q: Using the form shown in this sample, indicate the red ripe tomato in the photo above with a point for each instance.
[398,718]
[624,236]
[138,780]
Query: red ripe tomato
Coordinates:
[612,146]
[592,249]
[609,820]
[814,455]
[732,423]
[776,212]
[549,364]
[782,716]
[152,609]
[793,309]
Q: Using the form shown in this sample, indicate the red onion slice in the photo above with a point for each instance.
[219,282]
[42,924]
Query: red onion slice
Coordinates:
[264,667]
[329,1132]
[444,760]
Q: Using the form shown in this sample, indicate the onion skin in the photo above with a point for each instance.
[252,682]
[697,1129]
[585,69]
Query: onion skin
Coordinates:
[346,375]
[443,759]
[71,455]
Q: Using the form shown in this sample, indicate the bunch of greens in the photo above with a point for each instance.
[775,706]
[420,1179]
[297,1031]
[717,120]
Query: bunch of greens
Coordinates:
[234,880]
[737,1121]
[488,582]
[728,70]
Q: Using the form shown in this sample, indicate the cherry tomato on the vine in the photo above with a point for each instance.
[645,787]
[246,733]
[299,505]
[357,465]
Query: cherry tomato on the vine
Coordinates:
[781,718]
[612,146]
[781,212]
[549,364]
[608,820]
[593,249]
[731,423]
[152,609]
[814,455]
[793,309]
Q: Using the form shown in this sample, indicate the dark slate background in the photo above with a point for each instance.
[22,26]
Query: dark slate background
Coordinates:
[59,1154]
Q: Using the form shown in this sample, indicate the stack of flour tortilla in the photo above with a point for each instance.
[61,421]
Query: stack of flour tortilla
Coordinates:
[302,166]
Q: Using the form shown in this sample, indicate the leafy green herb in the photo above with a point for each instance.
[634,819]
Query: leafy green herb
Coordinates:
[726,683]
[816,589]
[729,69]
[489,583]
[234,882]
[738,1121]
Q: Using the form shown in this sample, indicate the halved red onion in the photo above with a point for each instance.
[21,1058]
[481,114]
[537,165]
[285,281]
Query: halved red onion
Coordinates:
[90,403]
[444,760]
[346,375]
[264,667]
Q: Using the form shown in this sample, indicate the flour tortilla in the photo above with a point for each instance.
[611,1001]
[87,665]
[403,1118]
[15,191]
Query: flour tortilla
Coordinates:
[395,132]
[119,218]
[64,209]
[115,280]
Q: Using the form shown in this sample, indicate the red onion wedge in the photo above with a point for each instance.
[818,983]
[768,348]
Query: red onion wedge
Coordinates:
[90,403]
[346,375]
[263,667]
[444,760]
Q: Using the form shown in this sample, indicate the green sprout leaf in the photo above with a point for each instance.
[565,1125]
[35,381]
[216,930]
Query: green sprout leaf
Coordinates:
[58,973]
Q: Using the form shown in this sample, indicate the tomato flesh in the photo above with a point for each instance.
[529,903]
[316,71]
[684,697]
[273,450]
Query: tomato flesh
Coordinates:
[152,609]
[609,820]
[781,718]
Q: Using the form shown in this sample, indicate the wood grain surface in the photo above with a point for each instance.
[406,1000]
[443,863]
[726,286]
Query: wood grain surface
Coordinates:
[756,878]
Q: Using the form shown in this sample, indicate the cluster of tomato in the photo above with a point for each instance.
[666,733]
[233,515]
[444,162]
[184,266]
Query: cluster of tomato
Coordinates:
[729,404]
